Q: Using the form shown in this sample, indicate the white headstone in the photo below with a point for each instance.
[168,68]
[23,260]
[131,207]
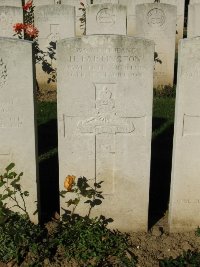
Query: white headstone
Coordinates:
[75,3]
[131,19]
[194,2]
[104,121]
[105,2]
[17,122]
[16,3]
[44,2]
[193,28]
[106,19]
[185,183]
[157,22]
[54,22]
[9,16]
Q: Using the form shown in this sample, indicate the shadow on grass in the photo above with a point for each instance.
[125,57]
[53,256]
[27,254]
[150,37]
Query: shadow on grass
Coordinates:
[49,186]
[160,178]
[47,136]
[48,171]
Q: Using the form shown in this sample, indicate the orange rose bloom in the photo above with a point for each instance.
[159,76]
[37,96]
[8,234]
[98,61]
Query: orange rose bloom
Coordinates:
[69,181]
[18,27]
[31,30]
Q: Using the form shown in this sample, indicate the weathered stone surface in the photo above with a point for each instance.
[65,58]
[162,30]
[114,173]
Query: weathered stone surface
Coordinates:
[131,19]
[194,2]
[44,2]
[185,183]
[157,22]
[104,121]
[79,13]
[75,3]
[105,2]
[16,3]
[193,28]
[106,19]
[9,16]
[54,22]
[17,122]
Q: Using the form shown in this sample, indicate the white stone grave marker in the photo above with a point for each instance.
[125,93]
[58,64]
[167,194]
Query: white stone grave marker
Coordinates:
[104,121]
[185,183]
[75,3]
[194,2]
[9,16]
[131,19]
[158,23]
[17,122]
[105,2]
[54,22]
[193,28]
[106,19]
[14,3]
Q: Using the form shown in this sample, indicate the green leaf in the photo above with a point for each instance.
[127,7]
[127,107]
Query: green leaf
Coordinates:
[26,193]
[10,167]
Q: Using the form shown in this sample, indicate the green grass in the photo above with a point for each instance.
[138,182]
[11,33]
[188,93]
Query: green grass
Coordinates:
[163,115]
[47,130]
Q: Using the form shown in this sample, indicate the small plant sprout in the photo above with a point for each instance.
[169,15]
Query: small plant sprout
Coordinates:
[82,189]
[11,191]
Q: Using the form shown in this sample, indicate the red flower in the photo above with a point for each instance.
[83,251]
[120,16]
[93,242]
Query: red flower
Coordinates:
[31,30]
[18,27]
[28,5]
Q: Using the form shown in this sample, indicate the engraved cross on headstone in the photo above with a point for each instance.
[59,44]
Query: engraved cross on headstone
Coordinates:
[105,125]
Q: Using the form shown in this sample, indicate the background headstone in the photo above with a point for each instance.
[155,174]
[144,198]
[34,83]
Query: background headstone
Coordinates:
[44,2]
[17,122]
[185,183]
[54,22]
[75,3]
[16,3]
[194,2]
[157,22]
[106,19]
[131,19]
[193,28]
[104,121]
[9,16]
[105,2]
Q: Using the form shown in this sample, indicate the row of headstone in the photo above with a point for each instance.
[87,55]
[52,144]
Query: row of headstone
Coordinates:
[105,128]
[159,25]
[57,21]
[104,123]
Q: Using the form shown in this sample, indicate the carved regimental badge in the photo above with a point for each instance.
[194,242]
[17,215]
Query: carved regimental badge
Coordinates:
[3,73]
[156,17]
[106,16]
